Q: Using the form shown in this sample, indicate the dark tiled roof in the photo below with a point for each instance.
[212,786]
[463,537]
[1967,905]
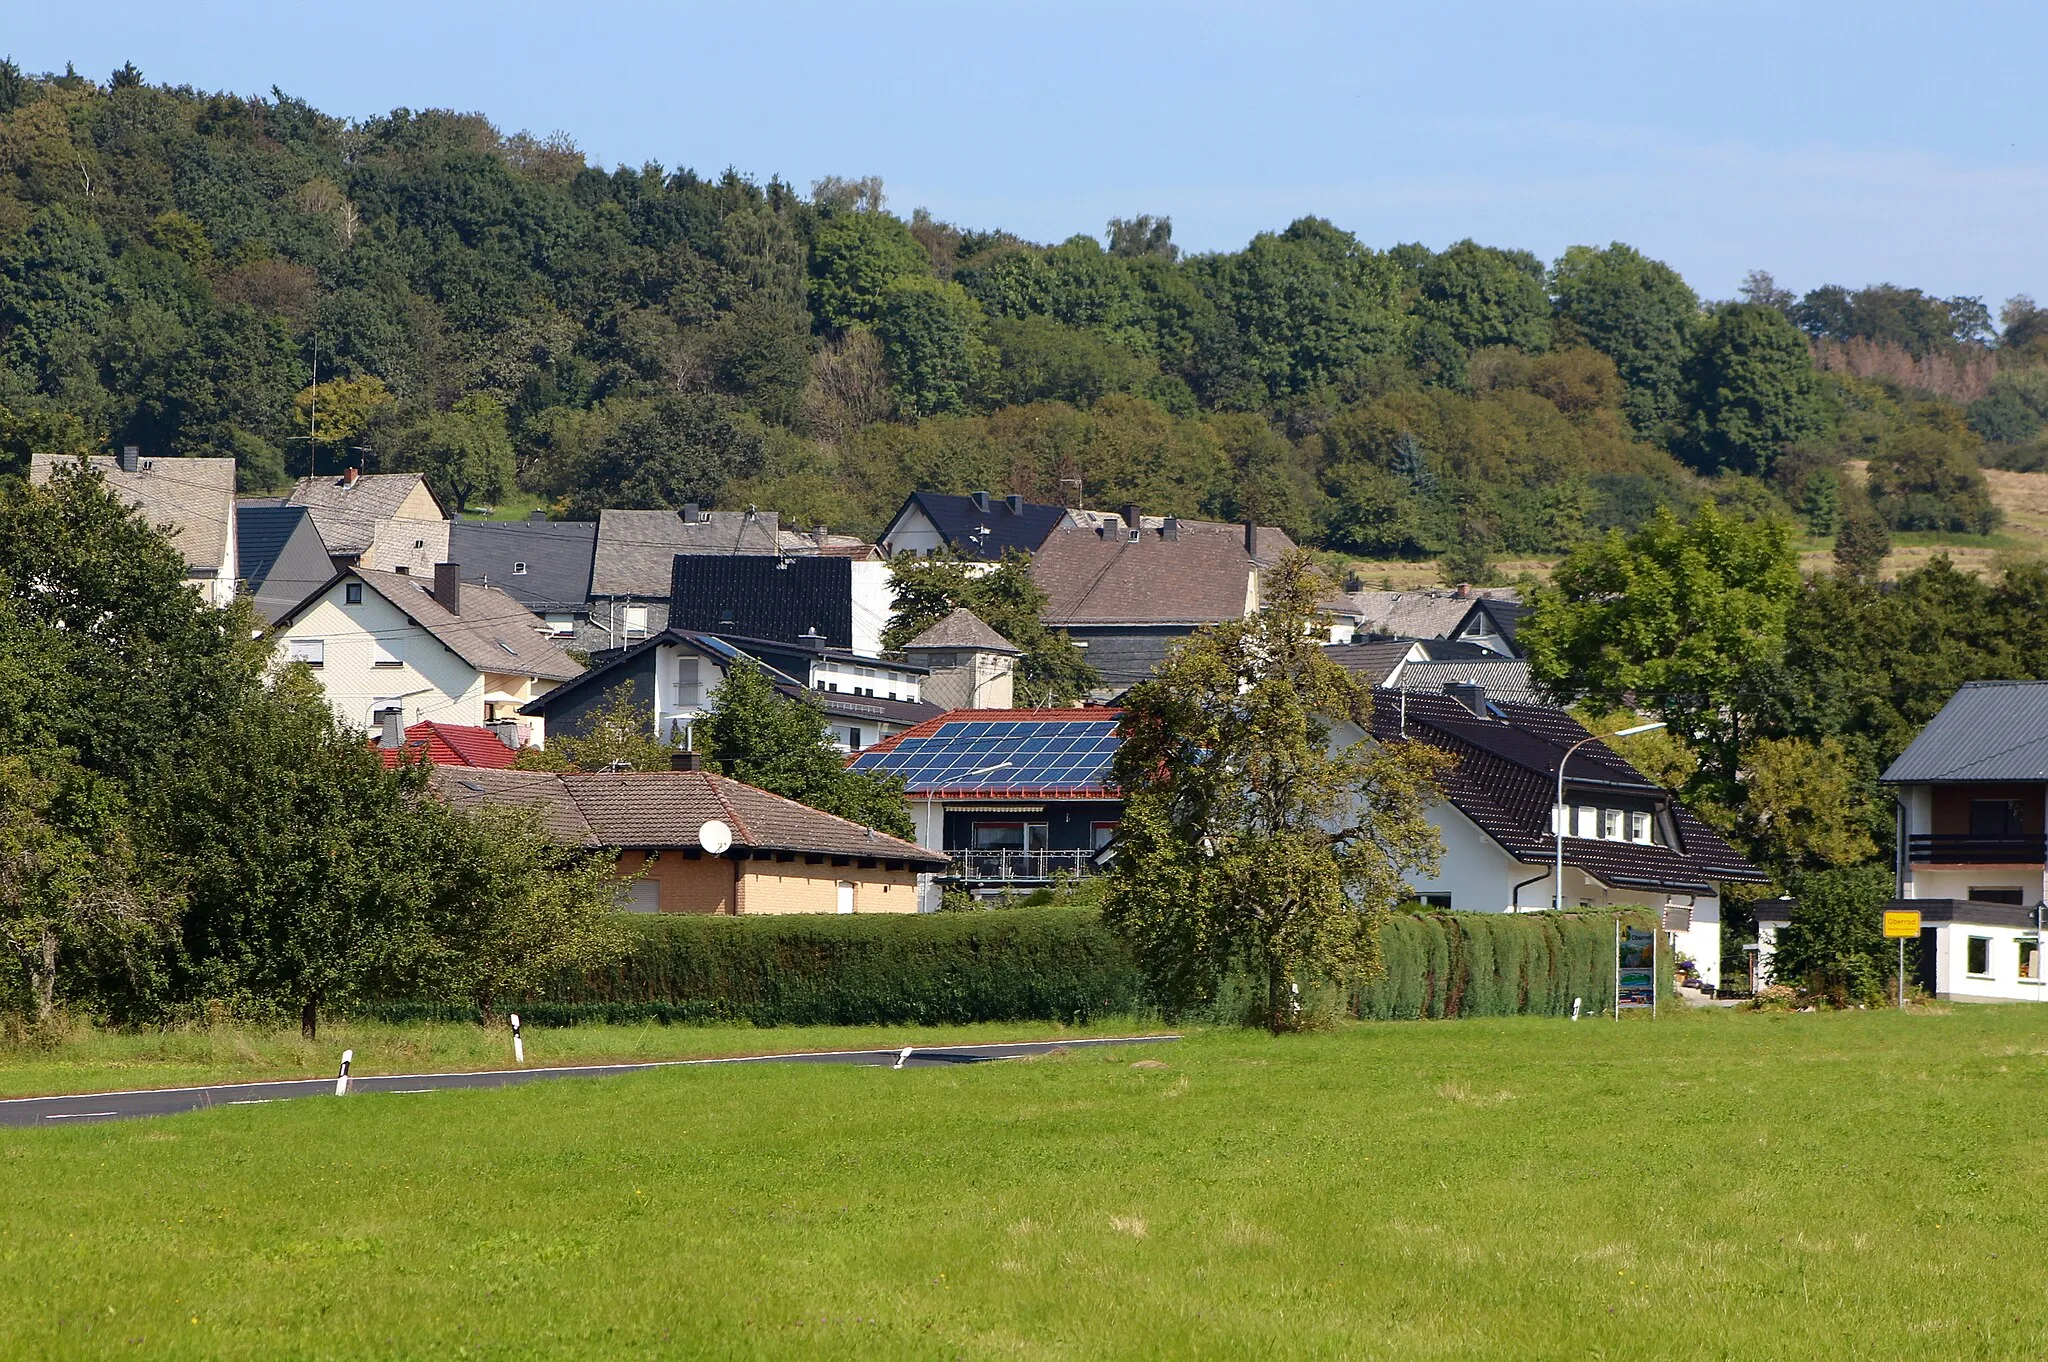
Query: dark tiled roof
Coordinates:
[665,809]
[763,596]
[635,548]
[1505,781]
[963,630]
[557,555]
[1375,661]
[494,633]
[261,532]
[974,533]
[1203,576]
[1504,614]
[1988,730]
[873,709]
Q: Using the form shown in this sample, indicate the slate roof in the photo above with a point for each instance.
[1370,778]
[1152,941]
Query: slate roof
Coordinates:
[762,596]
[1203,576]
[963,630]
[1410,614]
[494,633]
[1988,731]
[1506,783]
[664,810]
[193,498]
[1375,660]
[974,533]
[635,548]
[557,554]
[1505,678]
[1505,614]
[465,745]
[347,515]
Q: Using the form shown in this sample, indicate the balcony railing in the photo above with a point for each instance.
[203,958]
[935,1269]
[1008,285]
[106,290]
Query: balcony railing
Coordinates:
[1962,848]
[1019,867]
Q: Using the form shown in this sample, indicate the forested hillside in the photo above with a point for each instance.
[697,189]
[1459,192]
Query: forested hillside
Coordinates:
[175,267]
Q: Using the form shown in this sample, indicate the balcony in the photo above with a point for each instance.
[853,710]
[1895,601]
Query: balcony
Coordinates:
[1019,867]
[1962,848]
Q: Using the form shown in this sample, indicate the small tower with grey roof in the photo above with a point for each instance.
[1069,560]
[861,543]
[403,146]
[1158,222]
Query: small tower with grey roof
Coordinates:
[972,666]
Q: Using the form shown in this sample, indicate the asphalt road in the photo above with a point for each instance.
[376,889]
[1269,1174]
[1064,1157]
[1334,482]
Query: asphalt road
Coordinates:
[85,1108]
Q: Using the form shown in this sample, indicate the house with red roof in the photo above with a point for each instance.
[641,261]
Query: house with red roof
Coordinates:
[444,744]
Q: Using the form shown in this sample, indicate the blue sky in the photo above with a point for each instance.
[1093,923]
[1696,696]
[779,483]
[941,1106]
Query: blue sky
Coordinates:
[1828,143]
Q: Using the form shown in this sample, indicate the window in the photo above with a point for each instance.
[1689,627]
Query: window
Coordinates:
[519,569]
[636,619]
[561,626]
[1997,818]
[352,594]
[1997,893]
[1434,900]
[384,654]
[1978,956]
[1101,835]
[311,651]
[1639,827]
[1610,824]
[2030,959]
[1009,836]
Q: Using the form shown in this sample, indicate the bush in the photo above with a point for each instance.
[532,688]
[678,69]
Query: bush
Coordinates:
[1036,964]
[1834,946]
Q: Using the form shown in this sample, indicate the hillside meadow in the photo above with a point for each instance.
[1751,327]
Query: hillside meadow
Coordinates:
[1725,1185]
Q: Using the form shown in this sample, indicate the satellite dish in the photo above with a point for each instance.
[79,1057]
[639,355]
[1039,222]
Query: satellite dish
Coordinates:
[714,837]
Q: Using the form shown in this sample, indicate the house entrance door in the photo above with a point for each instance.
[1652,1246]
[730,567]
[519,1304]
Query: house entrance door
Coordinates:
[845,896]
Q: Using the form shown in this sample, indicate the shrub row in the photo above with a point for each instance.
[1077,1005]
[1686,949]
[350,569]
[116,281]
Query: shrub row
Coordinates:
[1027,964]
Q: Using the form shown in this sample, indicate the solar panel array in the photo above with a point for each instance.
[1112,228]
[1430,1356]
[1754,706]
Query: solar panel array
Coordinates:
[1027,754]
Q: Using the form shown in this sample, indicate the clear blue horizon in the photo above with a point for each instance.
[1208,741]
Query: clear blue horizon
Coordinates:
[1827,143]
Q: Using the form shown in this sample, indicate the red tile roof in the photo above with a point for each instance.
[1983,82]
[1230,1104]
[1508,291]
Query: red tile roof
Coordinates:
[453,745]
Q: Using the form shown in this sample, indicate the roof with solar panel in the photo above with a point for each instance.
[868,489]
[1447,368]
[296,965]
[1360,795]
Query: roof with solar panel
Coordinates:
[1030,753]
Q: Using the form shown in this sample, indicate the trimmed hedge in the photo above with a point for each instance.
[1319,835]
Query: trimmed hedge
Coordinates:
[1031,964]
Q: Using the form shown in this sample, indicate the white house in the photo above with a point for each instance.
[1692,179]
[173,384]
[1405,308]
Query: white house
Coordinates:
[1628,842]
[192,500]
[430,649]
[387,522]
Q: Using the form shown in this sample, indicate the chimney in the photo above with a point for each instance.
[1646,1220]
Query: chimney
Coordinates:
[690,516]
[349,476]
[1251,539]
[1015,502]
[1130,518]
[1470,694]
[1170,531]
[823,535]
[448,587]
[537,517]
[981,502]
[1464,591]
[812,639]
[131,458]
[685,761]
[391,728]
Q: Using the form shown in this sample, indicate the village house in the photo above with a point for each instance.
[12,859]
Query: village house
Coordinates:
[425,648]
[968,665]
[386,522]
[674,677]
[191,500]
[701,843]
[977,526]
[633,565]
[443,744]
[1125,594]
[280,556]
[543,564]
[1972,854]
[1628,842]
[1014,798]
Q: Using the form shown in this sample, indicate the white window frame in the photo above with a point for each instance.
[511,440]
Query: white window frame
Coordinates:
[311,651]
[384,653]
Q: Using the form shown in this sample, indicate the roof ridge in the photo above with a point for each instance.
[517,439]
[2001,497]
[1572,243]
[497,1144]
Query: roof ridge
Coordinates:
[739,824]
[814,811]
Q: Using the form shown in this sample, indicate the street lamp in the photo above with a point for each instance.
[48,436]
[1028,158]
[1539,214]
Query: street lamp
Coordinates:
[1557,813]
[939,833]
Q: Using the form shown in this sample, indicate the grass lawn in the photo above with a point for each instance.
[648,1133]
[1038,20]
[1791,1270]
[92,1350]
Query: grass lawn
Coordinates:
[1740,1186]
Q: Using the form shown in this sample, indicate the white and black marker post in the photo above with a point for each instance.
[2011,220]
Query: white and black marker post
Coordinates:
[341,1084]
[518,1045]
[904,1056]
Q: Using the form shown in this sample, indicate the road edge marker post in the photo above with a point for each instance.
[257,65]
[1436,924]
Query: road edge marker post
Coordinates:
[518,1045]
[904,1056]
[341,1083]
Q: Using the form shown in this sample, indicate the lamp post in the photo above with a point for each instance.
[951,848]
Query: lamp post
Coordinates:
[1557,812]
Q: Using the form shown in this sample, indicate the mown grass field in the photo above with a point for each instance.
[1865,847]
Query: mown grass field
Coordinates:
[1738,1186]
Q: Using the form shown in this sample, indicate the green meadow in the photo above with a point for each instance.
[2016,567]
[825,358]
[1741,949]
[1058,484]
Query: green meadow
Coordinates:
[1851,1185]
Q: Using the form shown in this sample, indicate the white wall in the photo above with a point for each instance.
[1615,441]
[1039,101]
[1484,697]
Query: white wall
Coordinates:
[2000,983]
[914,533]
[874,600]
[430,682]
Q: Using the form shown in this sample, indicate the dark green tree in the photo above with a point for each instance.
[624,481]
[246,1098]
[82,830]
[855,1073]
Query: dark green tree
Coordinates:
[1638,313]
[1484,296]
[931,338]
[1752,390]
[1052,671]
[855,257]
[760,737]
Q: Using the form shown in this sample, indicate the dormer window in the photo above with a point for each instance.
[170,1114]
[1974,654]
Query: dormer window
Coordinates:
[519,569]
